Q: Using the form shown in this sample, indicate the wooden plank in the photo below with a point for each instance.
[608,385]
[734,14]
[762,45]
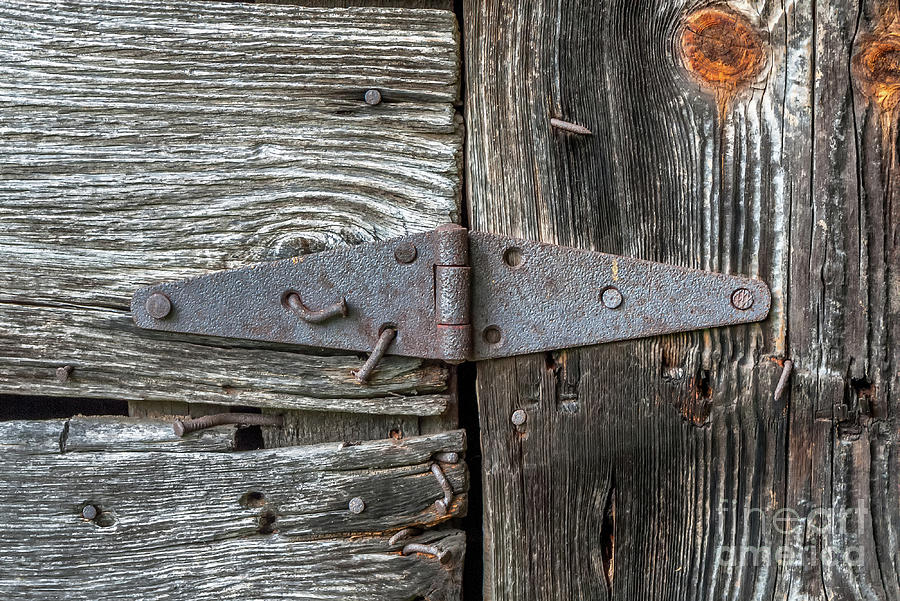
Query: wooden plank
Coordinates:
[164,503]
[727,138]
[145,141]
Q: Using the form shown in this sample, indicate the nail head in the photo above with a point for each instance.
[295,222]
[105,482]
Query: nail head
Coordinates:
[406,253]
[357,505]
[158,305]
[89,512]
[519,417]
[373,97]
[63,373]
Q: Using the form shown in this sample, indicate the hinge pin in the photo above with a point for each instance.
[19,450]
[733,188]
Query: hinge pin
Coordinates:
[297,306]
[381,347]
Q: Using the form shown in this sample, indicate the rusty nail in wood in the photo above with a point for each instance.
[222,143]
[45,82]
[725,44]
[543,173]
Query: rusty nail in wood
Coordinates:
[296,305]
[186,426]
[785,375]
[519,417]
[444,484]
[356,505]
[381,347]
[63,373]
[405,533]
[442,555]
[570,127]
[406,253]
[373,97]
[446,457]
[158,305]
[89,512]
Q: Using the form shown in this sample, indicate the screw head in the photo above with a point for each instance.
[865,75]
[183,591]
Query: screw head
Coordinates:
[611,297]
[89,512]
[742,299]
[373,97]
[519,417]
[357,505]
[406,253]
[158,305]
[63,373]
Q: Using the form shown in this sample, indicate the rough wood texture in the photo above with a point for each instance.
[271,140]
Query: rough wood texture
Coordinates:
[145,141]
[268,524]
[731,138]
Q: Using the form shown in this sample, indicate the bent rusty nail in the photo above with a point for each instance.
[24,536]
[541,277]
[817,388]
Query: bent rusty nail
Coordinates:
[186,426]
[381,347]
[442,555]
[446,457]
[444,483]
[782,381]
[405,533]
[308,315]
[570,127]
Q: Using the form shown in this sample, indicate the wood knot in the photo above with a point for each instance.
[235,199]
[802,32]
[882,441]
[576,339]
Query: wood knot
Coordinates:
[876,68]
[721,49]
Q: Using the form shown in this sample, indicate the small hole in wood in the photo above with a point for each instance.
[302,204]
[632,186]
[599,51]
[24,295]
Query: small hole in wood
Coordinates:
[492,335]
[249,438]
[513,257]
[254,498]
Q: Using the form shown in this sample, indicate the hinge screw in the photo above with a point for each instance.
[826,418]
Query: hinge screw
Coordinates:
[158,305]
[611,297]
[742,299]
[519,417]
[406,253]
[357,505]
[373,97]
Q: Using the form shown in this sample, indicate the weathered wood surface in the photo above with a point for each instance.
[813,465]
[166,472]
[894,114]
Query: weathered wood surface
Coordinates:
[144,141]
[187,518]
[733,139]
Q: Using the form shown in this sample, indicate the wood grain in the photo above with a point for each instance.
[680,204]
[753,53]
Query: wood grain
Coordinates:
[665,468]
[267,524]
[145,141]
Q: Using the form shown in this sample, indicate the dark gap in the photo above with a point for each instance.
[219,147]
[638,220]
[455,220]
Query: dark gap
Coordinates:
[253,498]
[249,438]
[473,570]
[46,407]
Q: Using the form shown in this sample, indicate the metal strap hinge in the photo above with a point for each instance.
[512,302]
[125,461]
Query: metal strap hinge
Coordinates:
[453,295]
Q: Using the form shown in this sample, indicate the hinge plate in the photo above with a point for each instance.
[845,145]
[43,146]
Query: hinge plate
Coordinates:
[507,297]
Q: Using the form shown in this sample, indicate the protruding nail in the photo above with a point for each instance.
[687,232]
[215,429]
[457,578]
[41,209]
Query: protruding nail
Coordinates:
[570,127]
[158,305]
[443,483]
[783,380]
[356,505]
[373,97]
[442,555]
[381,347]
[186,426]
[296,305]
[446,457]
[403,534]
[63,373]
[519,417]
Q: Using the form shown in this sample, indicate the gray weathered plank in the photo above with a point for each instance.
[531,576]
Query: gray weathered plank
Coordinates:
[163,501]
[146,141]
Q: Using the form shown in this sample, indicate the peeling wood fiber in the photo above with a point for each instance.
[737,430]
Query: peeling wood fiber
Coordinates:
[144,141]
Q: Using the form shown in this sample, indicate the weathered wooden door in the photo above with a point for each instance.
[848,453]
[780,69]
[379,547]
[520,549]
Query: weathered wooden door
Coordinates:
[756,138]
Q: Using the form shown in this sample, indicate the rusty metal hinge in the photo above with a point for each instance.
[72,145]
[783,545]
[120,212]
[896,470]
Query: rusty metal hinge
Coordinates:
[451,294]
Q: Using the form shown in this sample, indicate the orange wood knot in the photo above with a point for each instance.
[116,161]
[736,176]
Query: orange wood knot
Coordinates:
[721,49]
[876,67]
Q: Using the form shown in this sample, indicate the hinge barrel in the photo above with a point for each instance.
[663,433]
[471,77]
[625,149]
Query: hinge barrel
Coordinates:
[452,294]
